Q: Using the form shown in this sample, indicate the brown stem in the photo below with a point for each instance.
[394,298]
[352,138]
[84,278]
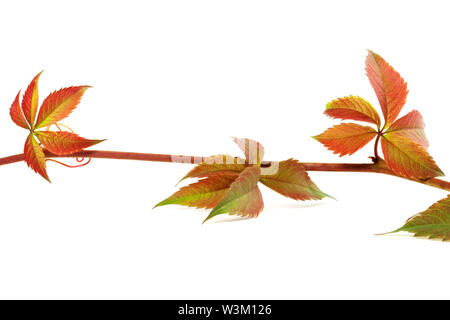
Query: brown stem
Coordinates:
[376,147]
[378,167]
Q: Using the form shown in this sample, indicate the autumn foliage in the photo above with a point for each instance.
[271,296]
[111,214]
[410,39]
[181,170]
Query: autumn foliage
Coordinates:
[403,140]
[230,185]
[57,106]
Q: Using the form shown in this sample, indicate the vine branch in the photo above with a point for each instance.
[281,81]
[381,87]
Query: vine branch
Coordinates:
[378,167]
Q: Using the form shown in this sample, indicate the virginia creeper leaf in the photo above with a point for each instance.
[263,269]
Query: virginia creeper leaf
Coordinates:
[30,100]
[59,105]
[223,165]
[389,86]
[346,138]
[63,143]
[412,127]
[253,150]
[243,198]
[433,223]
[16,113]
[34,156]
[353,108]
[292,180]
[407,158]
[206,193]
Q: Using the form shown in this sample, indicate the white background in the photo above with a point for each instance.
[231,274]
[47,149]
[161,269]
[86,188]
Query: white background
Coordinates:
[182,77]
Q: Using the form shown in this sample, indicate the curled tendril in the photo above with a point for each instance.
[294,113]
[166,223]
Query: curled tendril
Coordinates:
[78,159]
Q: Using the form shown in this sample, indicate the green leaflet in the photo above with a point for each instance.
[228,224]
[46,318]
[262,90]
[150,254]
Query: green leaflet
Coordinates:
[205,193]
[433,223]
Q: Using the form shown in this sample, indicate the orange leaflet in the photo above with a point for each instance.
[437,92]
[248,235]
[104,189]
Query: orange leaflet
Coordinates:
[63,143]
[412,127]
[59,105]
[30,100]
[34,157]
[353,108]
[346,138]
[16,113]
[389,86]
[407,158]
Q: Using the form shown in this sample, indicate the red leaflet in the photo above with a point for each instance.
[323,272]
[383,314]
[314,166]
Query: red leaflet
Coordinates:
[63,143]
[16,113]
[30,100]
[389,86]
[59,105]
[34,156]
[353,108]
[412,127]
[346,138]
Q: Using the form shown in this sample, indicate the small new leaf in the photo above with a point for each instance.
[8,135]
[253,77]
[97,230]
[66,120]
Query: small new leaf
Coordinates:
[353,108]
[243,198]
[433,223]
[346,138]
[291,180]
